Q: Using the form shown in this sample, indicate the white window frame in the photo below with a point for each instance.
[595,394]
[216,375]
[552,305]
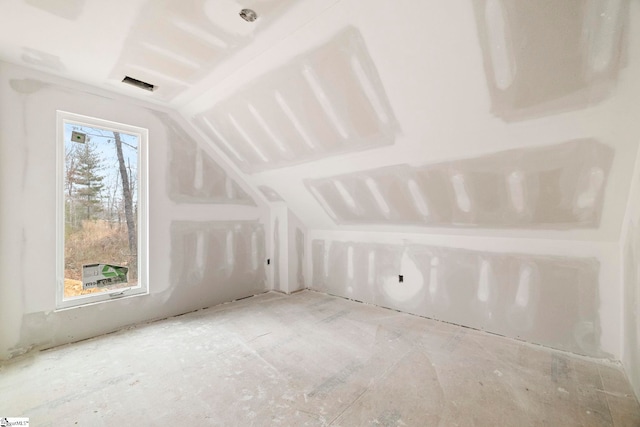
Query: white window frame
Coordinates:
[142,288]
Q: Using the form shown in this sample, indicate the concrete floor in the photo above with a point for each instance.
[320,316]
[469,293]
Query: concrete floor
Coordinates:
[311,360]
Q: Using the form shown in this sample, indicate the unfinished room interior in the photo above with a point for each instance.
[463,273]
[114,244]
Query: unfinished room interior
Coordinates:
[320,212]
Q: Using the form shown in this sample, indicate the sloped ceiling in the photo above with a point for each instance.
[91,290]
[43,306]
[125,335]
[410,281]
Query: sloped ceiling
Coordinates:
[421,116]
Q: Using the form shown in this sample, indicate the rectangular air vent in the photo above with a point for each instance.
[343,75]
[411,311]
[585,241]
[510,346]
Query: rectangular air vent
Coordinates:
[139,83]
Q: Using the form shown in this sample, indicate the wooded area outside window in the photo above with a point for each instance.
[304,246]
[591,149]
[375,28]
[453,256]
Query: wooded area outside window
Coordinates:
[102,210]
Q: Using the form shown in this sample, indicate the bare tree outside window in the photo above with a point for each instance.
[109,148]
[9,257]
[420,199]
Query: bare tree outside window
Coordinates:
[100,193]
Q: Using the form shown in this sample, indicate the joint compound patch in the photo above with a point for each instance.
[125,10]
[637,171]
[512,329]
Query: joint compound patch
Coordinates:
[101,275]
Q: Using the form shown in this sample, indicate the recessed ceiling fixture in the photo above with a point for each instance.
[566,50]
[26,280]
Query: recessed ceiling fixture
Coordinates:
[248,15]
[139,83]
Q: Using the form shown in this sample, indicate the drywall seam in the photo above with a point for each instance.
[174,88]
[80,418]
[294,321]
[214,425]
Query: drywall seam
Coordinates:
[196,177]
[183,101]
[585,41]
[204,37]
[318,96]
[605,252]
[543,299]
[271,194]
[560,186]
[200,211]
[534,245]
[221,159]
[231,167]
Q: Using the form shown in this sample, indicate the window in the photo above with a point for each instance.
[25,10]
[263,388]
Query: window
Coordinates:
[102,210]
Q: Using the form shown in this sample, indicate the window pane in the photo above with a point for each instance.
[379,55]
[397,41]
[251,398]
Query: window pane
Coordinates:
[101,204]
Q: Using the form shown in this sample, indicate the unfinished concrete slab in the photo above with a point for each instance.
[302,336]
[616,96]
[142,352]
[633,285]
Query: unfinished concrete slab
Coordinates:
[310,359]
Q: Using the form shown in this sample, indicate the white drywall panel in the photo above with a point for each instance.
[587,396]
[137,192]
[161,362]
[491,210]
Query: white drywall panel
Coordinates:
[297,236]
[206,242]
[630,276]
[431,93]
[513,287]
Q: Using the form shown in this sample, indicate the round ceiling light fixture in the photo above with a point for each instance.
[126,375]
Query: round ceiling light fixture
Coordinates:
[248,15]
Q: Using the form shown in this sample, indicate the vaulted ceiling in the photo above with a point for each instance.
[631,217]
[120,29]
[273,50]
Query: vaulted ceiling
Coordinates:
[488,114]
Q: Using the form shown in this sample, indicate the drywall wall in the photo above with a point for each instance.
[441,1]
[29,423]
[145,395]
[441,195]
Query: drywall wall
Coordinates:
[550,293]
[288,251]
[177,43]
[585,42]
[194,177]
[505,142]
[296,256]
[557,186]
[325,102]
[280,247]
[406,112]
[206,229]
[174,45]
[496,134]
[519,295]
[230,254]
[630,265]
